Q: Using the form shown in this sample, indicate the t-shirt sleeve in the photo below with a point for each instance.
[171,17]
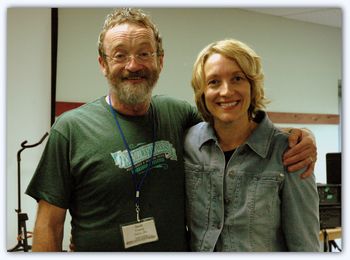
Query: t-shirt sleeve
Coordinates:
[52,180]
[193,117]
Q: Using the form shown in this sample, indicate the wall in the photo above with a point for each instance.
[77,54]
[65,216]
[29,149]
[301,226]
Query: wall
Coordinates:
[28,104]
[299,58]
[302,63]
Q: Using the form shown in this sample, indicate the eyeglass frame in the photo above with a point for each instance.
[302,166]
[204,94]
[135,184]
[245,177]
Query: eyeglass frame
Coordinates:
[135,56]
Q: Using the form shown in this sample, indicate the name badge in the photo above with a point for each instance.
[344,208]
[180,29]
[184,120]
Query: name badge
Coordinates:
[137,233]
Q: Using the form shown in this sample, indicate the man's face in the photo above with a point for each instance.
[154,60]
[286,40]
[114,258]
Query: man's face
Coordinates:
[132,66]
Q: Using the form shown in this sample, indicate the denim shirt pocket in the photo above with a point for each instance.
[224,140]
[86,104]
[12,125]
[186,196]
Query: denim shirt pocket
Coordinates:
[266,196]
[264,209]
[198,193]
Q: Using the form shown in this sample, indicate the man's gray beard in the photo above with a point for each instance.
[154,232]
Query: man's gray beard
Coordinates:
[133,94]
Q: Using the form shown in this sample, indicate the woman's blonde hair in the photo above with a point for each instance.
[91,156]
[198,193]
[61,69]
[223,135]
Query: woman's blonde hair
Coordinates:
[247,60]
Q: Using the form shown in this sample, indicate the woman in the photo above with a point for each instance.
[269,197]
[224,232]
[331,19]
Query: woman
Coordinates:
[240,197]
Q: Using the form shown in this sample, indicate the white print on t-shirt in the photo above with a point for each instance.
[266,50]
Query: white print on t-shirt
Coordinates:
[141,155]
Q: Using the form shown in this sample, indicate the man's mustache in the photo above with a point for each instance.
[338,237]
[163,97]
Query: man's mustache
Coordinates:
[136,74]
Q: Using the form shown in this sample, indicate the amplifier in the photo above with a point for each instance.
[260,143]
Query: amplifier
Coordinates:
[330,216]
[330,205]
[329,194]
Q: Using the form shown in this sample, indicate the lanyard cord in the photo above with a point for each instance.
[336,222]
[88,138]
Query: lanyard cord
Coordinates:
[133,171]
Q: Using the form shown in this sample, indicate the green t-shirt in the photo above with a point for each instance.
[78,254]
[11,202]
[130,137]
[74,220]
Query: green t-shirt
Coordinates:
[86,168]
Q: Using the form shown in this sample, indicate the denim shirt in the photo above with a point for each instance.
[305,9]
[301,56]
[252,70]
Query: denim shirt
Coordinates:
[252,204]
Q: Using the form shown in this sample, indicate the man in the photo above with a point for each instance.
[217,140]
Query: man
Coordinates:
[117,163]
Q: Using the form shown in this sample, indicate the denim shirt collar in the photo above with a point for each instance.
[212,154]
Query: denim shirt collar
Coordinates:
[259,141]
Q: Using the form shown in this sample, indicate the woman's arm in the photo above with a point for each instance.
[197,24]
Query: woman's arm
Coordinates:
[300,213]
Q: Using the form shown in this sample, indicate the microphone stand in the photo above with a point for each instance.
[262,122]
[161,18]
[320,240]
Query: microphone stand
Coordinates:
[22,238]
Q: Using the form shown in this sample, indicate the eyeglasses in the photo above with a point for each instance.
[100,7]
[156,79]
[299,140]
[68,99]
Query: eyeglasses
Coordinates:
[141,57]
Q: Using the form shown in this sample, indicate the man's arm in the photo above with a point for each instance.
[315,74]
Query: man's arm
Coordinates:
[302,152]
[48,230]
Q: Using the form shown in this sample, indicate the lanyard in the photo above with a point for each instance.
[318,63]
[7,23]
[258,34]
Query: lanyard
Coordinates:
[133,171]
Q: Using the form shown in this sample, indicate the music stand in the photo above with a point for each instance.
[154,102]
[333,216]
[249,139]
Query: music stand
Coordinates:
[22,234]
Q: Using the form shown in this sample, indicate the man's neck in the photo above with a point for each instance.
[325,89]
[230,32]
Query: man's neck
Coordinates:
[129,110]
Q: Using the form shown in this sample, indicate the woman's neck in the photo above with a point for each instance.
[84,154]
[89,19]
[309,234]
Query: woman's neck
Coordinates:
[232,135]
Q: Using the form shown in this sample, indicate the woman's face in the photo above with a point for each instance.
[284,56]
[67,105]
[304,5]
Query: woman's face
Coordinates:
[227,91]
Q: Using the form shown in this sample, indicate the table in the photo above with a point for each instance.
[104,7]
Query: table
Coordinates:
[328,236]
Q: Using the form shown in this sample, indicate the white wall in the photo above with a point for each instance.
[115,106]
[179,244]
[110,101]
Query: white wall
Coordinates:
[300,59]
[302,63]
[28,104]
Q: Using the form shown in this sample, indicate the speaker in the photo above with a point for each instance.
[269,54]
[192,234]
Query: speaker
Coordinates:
[333,168]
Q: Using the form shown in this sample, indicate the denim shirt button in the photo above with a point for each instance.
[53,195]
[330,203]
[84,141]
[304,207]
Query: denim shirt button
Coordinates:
[227,201]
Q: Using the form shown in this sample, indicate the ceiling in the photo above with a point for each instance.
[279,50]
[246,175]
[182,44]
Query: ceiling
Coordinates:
[325,16]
